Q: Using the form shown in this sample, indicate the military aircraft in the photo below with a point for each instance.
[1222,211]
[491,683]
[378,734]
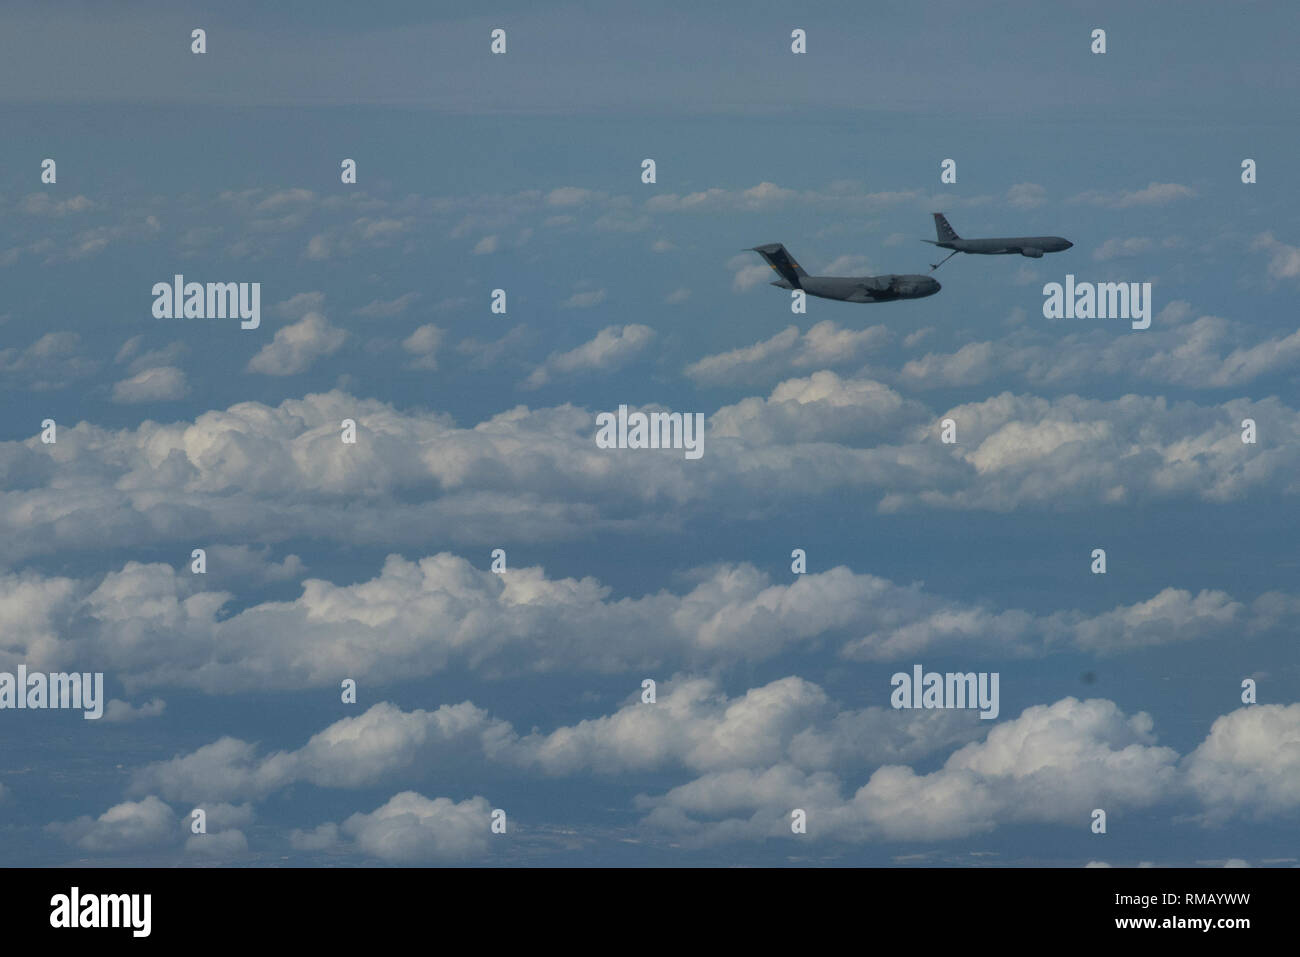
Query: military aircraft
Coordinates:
[1031,246]
[844,288]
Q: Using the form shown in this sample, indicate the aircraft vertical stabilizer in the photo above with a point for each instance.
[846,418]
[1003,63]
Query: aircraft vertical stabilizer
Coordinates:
[780,260]
[945,233]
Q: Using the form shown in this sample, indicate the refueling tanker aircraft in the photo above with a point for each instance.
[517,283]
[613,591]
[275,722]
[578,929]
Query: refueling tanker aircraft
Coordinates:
[844,288]
[1031,246]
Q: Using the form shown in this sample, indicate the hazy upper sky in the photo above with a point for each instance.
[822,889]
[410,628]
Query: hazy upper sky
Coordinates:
[475,431]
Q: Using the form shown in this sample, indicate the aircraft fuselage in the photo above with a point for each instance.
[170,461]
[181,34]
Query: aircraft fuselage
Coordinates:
[1016,245]
[869,288]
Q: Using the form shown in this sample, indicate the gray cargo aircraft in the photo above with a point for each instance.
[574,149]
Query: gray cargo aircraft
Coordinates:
[1031,246]
[844,288]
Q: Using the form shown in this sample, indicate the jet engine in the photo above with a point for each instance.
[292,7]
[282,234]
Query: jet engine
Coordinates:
[1031,252]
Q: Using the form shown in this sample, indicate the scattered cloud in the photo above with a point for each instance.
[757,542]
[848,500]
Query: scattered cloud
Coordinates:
[296,348]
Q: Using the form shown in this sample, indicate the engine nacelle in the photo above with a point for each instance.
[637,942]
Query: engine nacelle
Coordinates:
[1031,252]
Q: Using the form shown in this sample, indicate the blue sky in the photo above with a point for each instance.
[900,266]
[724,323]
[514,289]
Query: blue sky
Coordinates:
[522,691]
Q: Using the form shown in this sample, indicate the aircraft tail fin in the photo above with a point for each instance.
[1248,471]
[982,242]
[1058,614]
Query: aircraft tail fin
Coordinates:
[945,232]
[783,263]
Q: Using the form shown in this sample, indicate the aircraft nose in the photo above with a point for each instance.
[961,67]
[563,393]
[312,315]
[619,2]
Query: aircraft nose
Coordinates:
[1069,245]
[934,286]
